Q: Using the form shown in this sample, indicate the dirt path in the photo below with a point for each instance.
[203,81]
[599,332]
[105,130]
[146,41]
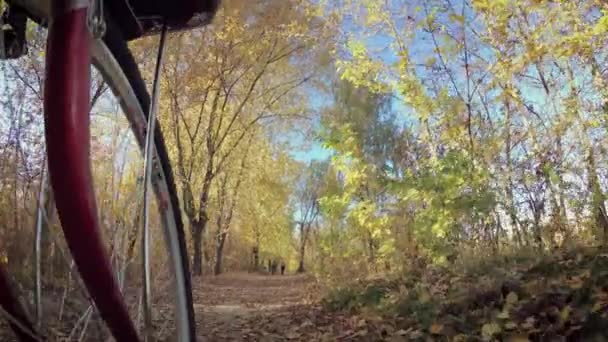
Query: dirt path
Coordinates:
[252,307]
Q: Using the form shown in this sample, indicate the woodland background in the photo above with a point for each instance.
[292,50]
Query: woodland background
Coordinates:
[363,132]
[351,139]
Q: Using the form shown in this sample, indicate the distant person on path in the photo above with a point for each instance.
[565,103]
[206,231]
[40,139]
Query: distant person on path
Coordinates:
[282,267]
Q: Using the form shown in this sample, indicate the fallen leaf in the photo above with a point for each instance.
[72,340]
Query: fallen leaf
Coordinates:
[293,335]
[361,332]
[597,307]
[306,324]
[436,329]
[402,332]
[346,333]
[511,298]
[361,323]
[416,334]
[575,283]
[397,338]
[529,323]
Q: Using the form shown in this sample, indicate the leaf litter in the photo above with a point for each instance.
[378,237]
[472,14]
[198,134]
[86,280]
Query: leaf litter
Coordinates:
[559,298]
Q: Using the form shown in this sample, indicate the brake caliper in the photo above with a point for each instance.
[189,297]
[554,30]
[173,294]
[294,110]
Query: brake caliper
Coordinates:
[12,33]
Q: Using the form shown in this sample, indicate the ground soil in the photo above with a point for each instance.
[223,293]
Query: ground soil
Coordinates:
[255,307]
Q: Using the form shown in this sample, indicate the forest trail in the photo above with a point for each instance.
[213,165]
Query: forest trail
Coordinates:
[255,307]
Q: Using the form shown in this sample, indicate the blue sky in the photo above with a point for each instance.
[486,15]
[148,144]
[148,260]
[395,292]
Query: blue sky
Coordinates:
[315,152]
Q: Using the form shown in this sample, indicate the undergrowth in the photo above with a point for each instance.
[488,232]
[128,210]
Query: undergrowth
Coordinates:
[558,297]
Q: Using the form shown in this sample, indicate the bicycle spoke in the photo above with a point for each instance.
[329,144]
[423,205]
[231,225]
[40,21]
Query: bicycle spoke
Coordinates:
[80,320]
[66,290]
[86,325]
[148,160]
[40,217]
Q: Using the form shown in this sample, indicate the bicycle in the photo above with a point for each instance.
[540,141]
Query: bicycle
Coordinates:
[81,33]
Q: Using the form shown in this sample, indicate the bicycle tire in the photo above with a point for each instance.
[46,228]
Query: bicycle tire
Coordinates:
[117,45]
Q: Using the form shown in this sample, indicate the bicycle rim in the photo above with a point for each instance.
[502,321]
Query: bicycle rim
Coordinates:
[116,43]
[113,74]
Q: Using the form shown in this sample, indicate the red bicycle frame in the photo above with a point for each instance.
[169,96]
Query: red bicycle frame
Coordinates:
[66,118]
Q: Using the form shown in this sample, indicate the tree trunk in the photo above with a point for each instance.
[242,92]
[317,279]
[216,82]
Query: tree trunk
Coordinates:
[221,240]
[556,215]
[197,256]
[597,198]
[499,231]
[510,202]
[301,263]
[513,213]
[256,258]
[538,237]
[371,246]
[199,226]
[557,186]
[302,248]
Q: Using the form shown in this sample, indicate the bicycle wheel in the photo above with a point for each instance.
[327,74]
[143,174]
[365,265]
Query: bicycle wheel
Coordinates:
[68,145]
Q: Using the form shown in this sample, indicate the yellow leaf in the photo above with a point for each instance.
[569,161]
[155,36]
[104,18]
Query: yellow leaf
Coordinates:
[488,330]
[424,296]
[504,314]
[575,283]
[457,18]
[517,338]
[565,313]
[460,338]
[512,298]
[436,328]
